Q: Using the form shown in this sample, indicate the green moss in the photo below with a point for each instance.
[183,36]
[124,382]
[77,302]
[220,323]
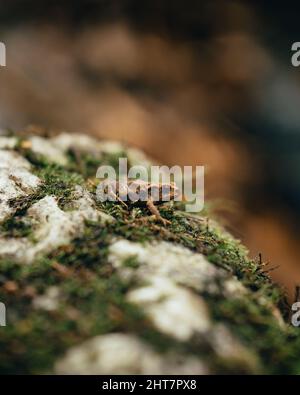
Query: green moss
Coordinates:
[251,321]
[84,163]
[93,297]
[131,262]
[276,348]
[56,180]
[92,302]
[197,234]
[87,163]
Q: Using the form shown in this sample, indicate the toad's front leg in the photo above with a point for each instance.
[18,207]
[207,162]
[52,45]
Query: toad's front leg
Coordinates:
[153,209]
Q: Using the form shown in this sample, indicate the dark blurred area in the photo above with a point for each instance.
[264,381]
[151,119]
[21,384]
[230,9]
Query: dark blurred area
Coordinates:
[190,82]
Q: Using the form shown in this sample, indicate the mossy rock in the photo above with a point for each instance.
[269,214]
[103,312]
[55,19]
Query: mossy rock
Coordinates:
[94,287]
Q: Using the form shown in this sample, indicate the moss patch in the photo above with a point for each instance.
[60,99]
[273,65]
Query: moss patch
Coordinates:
[92,302]
[92,297]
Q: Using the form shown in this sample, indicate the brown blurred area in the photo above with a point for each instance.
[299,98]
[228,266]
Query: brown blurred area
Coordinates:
[146,82]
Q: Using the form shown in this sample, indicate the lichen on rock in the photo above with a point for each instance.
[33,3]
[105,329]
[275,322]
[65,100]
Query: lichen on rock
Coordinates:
[92,287]
[16,180]
[120,353]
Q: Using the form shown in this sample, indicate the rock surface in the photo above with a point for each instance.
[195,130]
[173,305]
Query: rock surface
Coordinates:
[96,288]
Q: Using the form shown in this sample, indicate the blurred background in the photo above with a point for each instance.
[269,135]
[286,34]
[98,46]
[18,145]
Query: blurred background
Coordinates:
[190,82]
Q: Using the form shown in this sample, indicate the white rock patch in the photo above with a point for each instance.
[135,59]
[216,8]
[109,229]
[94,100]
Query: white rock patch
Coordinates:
[13,160]
[49,301]
[16,181]
[55,148]
[8,142]
[46,147]
[165,259]
[174,310]
[14,249]
[124,354]
[86,143]
[52,226]
[169,271]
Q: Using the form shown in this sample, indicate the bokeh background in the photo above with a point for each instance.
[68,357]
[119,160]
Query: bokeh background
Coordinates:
[190,82]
